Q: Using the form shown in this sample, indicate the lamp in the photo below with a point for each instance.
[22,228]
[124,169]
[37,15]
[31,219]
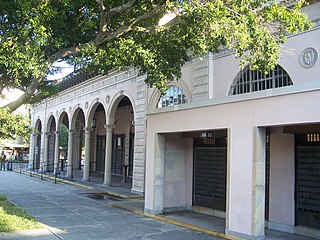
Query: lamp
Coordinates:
[203,134]
[93,123]
[131,118]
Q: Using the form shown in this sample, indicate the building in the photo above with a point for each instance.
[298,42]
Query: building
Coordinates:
[243,144]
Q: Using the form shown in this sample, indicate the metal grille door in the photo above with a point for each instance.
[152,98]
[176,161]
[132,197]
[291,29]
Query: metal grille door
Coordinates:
[210,177]
[117,153]
[101,152]
[308,186]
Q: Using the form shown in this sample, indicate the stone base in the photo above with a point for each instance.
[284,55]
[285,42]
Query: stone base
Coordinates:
[244,236]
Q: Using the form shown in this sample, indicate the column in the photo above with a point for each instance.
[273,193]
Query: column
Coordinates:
[86,167]
[36,151]
[108,157]
[246,181]
[259,171]
[56,152]
[45,150]
[70,157]
[159,173]
[155,174]
[31,153]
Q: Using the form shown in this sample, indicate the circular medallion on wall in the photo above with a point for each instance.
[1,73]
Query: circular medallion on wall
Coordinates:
[86,105]
[309,57]
[107,99]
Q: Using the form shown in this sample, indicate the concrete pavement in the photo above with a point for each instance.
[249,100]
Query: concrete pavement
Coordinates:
[68,213]
[74,210]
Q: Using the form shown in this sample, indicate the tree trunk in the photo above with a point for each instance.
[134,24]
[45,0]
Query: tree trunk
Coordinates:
[26,96]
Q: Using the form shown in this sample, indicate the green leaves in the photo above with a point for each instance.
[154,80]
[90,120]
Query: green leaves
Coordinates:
[117,35]
[14,125]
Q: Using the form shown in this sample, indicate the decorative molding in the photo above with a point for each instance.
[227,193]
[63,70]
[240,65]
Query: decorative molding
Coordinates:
[71,131]
[87,130]
[309,57]
[109,126]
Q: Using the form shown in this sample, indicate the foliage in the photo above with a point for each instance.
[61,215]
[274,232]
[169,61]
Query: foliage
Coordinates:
[109,35]
[63,138]
[14,125]
[13,218]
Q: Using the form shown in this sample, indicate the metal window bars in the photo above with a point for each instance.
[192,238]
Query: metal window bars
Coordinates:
[254,80]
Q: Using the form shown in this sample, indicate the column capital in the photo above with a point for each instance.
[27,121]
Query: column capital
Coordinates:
[57,132]
[109,127]
[71,131]
[87,129]
[47,133]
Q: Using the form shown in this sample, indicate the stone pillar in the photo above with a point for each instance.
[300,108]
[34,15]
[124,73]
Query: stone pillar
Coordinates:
[31,153]
[36,151]
[56,152]
[45,150]
[108,157]
[259,173]
[86,167]
[246,181]
[159,173]
[140,125]
[155,175]
[70,157]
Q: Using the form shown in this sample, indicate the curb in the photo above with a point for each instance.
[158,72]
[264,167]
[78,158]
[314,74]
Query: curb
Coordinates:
[171,221]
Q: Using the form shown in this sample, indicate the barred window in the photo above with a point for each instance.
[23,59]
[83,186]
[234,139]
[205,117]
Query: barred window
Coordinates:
[173,96]
[253,80]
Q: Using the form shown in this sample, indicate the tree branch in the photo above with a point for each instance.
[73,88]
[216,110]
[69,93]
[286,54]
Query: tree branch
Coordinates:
[26,96]
[103,37]
[64,53]
[119,9]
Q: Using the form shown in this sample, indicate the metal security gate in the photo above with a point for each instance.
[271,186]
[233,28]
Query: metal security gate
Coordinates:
[131,153]
[117,153]
[210,166]
[101,153]
[308,180]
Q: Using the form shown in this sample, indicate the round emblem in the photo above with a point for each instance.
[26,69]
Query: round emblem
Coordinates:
[308,57]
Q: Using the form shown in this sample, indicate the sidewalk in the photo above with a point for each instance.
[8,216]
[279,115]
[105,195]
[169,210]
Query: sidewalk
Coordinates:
[115,197]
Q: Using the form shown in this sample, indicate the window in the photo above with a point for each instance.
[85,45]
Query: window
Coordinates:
[253,80]
[173,96]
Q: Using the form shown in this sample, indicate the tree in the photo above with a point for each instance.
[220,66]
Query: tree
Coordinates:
[106,35]
[14,125]
[63,139]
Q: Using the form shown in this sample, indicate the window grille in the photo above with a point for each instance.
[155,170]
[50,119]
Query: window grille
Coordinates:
[173,96]
[253,80]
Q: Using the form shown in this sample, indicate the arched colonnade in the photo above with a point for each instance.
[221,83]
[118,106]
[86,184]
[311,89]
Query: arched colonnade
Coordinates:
[97,132]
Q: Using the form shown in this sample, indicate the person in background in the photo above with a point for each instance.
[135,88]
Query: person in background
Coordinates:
[3,161]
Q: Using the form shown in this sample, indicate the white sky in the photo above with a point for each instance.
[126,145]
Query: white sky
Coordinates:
[66,69]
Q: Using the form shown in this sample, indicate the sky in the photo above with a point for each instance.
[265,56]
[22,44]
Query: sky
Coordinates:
[66,69]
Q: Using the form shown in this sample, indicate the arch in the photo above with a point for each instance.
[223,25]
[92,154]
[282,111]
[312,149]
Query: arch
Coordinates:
[74,115]
[156,95]
[51,119]
[114,105]
[50,144]
[37,144]
[92,109]
[76,125]
[62,114]
[37,124]
[248,80]
[121,116]
[62,117]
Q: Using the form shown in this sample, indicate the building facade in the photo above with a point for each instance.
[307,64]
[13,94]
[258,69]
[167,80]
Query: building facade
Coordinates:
[243,145]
